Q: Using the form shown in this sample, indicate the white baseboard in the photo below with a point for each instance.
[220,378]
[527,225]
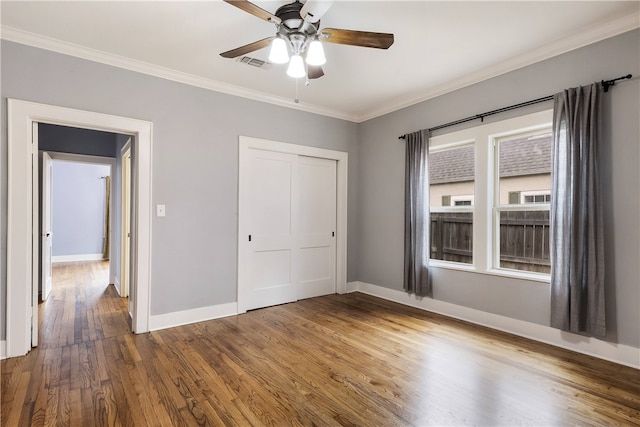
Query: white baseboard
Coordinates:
[352,287]
[3,349]
[201,314]
[116,284]
[618,353]
[79,257]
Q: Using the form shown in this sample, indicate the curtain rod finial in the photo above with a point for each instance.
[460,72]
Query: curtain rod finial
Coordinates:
[606,84]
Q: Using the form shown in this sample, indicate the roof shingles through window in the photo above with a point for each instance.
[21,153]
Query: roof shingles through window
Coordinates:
[529,155]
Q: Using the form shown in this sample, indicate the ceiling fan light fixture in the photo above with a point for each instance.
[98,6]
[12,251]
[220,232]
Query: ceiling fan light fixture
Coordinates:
[296,67]
[279,53]
[315,55]
[298,33]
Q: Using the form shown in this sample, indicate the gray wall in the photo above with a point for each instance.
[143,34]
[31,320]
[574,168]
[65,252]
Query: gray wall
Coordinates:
[195,173]
[78,207]
[381,184]
[195,162]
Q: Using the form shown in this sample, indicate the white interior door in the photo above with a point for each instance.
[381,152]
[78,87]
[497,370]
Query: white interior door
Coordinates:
[125,240]
[316,227]
[268,212]
[47,233]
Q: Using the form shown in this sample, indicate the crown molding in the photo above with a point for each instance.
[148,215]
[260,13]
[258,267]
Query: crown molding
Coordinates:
[36,40]
[593,34]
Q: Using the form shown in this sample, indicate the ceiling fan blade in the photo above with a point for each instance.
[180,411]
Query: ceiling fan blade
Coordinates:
[315,72]
[243,50]
[251,8]
[357,38]
[313,10]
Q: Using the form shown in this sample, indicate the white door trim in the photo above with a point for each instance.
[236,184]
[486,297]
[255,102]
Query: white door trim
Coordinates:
[93,160]
[21,115]
[245,144]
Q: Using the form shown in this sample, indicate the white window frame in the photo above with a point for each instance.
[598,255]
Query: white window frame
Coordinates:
[522,206]
[484,137]
[440,144]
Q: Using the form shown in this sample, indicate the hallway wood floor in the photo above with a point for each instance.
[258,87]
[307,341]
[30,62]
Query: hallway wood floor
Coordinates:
[350,360]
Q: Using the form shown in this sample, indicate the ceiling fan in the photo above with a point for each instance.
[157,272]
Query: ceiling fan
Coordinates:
[298,30]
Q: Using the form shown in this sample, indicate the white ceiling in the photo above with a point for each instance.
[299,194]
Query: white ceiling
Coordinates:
[439,46]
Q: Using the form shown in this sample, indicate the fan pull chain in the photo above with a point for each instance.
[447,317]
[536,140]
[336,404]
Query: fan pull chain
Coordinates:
[306,75]
[296,100]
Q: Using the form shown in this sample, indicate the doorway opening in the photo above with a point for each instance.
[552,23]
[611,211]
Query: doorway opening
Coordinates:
[23,237]
[77,225]
[88,194]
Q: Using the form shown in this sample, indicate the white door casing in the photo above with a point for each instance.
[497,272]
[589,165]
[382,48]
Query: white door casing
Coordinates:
[316,227]
[21,184]
[247,153]
[47,233]
[92,160]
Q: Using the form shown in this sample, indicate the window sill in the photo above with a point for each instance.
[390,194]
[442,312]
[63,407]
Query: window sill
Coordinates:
[452,265]
[523,275]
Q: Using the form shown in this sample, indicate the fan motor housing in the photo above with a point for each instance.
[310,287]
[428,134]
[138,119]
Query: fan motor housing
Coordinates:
[293,22]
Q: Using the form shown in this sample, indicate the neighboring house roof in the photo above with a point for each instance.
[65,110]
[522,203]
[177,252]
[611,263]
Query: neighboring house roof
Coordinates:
[530,155]
[452,165]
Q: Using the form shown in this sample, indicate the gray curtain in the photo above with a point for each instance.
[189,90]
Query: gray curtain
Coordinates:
[416,219]
[576,230]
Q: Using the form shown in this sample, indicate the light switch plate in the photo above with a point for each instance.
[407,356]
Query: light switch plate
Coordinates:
[160,210]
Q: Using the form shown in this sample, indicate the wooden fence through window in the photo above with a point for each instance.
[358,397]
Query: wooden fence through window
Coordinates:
[524,239]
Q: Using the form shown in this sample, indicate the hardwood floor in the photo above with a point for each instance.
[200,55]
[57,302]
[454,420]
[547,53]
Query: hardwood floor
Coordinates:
[350,360]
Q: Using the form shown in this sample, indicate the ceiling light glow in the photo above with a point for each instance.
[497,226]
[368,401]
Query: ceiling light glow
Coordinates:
[296,67]
[315,55]
[279,53]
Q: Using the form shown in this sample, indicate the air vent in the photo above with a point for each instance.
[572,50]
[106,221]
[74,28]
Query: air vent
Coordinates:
[254,62]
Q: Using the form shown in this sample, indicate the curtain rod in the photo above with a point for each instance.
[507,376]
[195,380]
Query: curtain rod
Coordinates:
[606,84]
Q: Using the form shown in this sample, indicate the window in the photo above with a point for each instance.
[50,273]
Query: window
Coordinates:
[466,200]
[490,192]
[540,196]
[522,231]
[536,196]
[451,187]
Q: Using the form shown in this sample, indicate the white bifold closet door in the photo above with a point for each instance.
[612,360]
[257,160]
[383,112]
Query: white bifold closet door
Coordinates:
[288,214]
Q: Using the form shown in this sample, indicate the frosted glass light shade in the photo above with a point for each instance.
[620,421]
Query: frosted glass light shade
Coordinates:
[315,55]
[296,67]
[279,54]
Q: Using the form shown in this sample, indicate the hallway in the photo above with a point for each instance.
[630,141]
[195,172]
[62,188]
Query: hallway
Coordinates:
[81,324]
[82,306]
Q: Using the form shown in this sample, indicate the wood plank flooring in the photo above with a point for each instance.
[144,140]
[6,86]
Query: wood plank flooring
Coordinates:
[340,360]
